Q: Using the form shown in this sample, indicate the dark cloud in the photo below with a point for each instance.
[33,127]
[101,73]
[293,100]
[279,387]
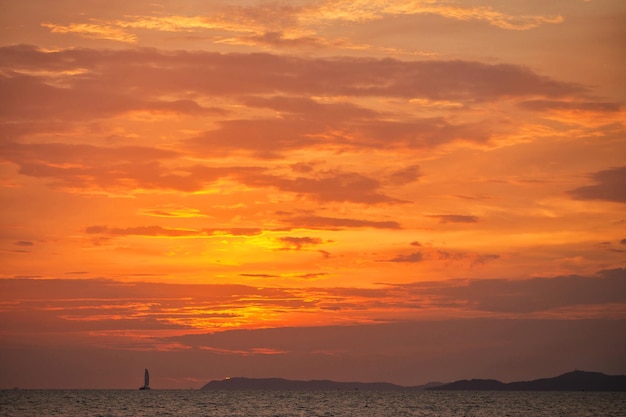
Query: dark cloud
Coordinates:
[24,243]
[306,108]
[333,223]
[271,138]
[610,186]
[297,243]
[454,218]
[482,259]
[593,106]
[311,275]
[428,254]
[260,275]
[152,72]
[527,295]
[410,258]
[405,175]
[328,186]
[83,102]
[623,241]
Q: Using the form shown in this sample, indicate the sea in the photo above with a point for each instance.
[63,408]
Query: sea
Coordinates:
[114,403]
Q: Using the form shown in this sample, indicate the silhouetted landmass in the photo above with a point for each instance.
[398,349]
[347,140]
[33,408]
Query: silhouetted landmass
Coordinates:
[279,384]
[571,381]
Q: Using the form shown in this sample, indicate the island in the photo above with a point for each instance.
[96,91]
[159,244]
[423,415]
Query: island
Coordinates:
[571,381]
[280,384]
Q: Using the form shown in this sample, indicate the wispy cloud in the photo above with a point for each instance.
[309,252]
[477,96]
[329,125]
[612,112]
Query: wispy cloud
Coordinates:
[61,305]
[170,211]
[454,218]
[94,30]
[334,223]
[288,26]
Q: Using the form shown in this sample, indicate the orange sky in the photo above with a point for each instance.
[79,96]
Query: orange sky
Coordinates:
[266,188]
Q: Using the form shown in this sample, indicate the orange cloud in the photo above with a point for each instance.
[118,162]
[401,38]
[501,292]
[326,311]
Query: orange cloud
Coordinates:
[365,10]
[93,31]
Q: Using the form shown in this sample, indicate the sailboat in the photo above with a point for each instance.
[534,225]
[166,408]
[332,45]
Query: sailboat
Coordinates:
[146,380]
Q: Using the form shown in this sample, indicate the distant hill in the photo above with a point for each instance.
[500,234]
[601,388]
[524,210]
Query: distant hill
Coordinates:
[279,384]
[571,381]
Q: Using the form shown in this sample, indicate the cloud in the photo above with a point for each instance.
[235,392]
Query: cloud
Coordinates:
[25,243]
[285,40]
[482,259]
[82,166]
[591,106]
[405,175]
[364,10]
[334,130]
[329,186]
[141,231]
[334,223]
[154,73]
[279,25]
[307,108]
[410,258]
[156,231]
[235,231]
[610,186]
[87,305]
[297,243]
[623,241]
[93,31]
[172,211]
[527,295]
[427,253]
[80,101]
[309,275]
[260,275]
[454,218]
[244,352]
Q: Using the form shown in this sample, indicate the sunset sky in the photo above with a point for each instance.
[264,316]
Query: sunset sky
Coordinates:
[371,190]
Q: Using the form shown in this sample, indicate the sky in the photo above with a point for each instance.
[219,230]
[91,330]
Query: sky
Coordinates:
[368,190]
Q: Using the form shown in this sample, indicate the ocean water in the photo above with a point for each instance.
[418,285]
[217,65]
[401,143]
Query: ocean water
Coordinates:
[115,403]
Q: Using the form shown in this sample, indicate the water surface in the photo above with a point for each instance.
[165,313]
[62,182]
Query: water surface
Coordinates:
[117,403]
